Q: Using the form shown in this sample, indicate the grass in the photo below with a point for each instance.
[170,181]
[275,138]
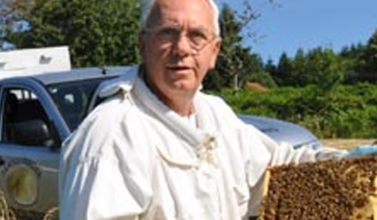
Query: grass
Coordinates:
[347,143]
[6,213]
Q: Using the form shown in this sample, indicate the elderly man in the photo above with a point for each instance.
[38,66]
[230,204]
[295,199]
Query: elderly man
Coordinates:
[160,149]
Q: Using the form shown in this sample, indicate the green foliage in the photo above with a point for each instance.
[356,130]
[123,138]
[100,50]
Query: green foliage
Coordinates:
[235,63]
[97,32]
[353,57]
[344,112]
[369,60]
[354,64]
[318,66]
[264,78]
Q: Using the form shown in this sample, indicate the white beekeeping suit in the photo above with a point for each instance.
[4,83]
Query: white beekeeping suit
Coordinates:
[134,158]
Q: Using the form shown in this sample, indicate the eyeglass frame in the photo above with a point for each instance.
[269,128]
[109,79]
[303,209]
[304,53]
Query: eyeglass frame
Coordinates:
[178,33]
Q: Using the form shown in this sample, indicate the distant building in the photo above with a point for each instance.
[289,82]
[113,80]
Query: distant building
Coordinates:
[34,61]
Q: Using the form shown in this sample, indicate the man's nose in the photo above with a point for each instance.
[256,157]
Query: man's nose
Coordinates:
[181,46]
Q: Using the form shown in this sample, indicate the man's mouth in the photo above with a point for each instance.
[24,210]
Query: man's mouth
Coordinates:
[179,68]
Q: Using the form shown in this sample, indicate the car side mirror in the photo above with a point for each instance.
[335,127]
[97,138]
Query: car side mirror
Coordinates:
[32,133]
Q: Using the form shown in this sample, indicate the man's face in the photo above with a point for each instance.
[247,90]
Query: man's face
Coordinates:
[179,46]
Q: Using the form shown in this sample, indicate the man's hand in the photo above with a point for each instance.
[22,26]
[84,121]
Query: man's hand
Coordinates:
[364,150]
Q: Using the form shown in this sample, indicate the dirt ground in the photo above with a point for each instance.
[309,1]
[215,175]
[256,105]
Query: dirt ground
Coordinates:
[347,143]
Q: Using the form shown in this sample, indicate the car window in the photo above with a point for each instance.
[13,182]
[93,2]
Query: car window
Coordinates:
[25,122]
[73,99]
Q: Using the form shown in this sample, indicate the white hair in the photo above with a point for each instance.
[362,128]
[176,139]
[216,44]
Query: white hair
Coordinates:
[147,5]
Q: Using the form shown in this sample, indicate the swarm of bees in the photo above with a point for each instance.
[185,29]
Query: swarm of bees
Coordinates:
[334,189]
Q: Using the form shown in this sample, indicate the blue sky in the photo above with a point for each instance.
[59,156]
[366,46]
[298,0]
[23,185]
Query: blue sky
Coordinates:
[307,24]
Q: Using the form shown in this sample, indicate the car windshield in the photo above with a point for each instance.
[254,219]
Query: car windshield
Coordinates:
[73,99]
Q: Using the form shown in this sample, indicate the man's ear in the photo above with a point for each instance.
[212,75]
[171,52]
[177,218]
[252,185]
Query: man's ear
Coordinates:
[141,46]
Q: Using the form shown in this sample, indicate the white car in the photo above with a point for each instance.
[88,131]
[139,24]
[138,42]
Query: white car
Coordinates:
[283,132]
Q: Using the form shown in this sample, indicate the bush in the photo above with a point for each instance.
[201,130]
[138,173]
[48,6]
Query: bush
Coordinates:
[342,112]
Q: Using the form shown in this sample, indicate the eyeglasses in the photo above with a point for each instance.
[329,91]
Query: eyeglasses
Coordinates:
[166,35]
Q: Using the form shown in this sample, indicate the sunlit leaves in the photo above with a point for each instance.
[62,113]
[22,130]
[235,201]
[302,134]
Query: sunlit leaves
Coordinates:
[97,32]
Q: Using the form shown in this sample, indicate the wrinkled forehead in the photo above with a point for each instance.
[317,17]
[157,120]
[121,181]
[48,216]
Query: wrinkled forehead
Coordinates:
[193,13]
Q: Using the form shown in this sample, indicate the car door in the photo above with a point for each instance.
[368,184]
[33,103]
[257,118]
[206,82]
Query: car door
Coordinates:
[29,156]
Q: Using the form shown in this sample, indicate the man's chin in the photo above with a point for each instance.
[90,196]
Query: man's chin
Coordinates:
[184,87]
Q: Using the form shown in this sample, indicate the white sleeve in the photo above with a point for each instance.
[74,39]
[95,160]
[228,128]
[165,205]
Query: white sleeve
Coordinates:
[96,189]
[103,175]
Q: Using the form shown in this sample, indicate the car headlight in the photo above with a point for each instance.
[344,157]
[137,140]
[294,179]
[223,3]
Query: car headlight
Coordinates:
[22,184]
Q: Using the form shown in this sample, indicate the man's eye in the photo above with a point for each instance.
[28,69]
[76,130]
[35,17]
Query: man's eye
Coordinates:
[198,37]
[168,32]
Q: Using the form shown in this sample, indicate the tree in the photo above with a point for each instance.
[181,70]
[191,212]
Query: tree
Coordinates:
[318,66]
[283,70]
[352,58]
[235,62]
[97,32]
[369,59]
[10,19]
[324,68]
[104,33]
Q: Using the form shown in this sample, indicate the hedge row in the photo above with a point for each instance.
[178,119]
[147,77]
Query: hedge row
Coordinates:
[342,112]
